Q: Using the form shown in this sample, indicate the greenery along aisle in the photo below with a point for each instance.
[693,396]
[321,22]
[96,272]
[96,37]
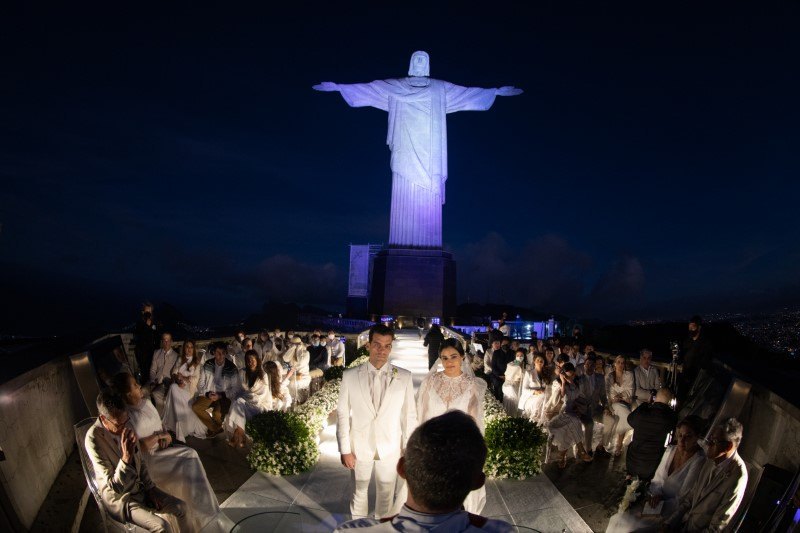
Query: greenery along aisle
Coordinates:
[515,444]
[288,443]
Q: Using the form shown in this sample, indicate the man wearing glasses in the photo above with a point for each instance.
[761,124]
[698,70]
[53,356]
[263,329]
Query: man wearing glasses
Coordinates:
[715,496]
[125,487]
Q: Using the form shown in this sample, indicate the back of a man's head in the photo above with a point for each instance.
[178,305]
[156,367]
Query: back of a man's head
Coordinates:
[664,395]
[444,461]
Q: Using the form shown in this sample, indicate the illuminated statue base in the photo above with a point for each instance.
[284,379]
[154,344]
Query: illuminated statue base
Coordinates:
[413,283]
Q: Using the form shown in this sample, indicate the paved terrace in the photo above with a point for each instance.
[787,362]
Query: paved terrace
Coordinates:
[578,498]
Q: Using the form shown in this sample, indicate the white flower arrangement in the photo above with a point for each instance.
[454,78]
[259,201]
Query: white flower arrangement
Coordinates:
[630,495]
[492,408]
[358,361]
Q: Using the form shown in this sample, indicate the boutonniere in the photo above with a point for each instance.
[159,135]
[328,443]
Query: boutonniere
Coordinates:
[394,375]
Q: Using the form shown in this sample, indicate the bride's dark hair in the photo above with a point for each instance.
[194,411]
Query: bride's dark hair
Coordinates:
[452,343]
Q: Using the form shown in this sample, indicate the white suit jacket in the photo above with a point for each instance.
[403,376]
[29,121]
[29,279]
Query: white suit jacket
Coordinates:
[713,499]
[363,431]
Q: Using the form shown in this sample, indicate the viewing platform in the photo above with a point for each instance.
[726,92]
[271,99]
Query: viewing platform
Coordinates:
[581,497]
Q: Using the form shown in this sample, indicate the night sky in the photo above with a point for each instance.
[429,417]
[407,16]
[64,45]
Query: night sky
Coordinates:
[650,169]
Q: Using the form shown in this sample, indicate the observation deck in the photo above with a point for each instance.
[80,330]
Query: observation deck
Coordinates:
[43,488]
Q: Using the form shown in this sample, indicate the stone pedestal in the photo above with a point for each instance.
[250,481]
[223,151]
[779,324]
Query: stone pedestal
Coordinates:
[413,283]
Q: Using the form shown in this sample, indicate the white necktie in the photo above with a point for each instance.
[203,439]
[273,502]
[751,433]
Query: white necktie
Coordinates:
[377,390]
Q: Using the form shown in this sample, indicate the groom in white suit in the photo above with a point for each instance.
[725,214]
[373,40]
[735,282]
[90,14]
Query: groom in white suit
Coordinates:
[376,415]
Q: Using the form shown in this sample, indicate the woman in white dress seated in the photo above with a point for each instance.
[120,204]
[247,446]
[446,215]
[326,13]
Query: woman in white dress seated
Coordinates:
[678,468]
[620,390]
[176,469]
[281,399]
[456,387]
[255,398]
[178,415]
[513,382]
[535,391]
[565,428]
[555,401]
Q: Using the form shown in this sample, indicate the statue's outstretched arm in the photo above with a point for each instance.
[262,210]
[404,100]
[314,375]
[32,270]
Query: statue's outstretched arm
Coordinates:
[326,86]
[504,91]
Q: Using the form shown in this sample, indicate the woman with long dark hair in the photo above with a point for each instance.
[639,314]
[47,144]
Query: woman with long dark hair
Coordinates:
[178,415]
[278,386]
[255,398]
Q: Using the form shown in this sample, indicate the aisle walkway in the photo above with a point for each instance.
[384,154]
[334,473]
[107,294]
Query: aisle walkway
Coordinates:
[319,500]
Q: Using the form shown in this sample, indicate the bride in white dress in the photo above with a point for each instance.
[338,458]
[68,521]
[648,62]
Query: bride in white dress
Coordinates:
[176,470]
[178,415]
[456,387]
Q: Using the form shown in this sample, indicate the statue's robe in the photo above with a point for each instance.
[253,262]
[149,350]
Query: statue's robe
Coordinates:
[417,138]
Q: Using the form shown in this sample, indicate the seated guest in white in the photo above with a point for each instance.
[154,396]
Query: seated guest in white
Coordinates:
[161,372]
[676,473]
[126,489]
[555,401]
[487,358]
[335,348]
[297,358]
[244,347]
[535,389]
[176,469]
[513,382]
[178,415]
[566,429]
[679,466]
[263,345]
[219,383]
[593,388]
[712,500]
[254,398]
[619,387]
[278,386]
[646,377]
[443,461]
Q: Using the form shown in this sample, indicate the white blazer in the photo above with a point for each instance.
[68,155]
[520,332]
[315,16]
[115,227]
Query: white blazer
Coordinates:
[363,431]
[710,503]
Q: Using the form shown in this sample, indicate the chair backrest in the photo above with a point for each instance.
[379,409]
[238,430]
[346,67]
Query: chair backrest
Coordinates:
[81,428]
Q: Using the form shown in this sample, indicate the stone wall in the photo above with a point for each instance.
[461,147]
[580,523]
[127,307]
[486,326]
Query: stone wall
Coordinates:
[37,412]
[771,430]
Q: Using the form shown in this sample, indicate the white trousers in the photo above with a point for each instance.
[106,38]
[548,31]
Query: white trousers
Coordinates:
[385,484]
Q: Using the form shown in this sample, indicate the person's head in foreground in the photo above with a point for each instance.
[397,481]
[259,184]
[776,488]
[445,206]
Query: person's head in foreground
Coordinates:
[443,462]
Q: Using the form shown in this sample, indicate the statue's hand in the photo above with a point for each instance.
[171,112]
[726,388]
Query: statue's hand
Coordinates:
[508,91]
[326,86]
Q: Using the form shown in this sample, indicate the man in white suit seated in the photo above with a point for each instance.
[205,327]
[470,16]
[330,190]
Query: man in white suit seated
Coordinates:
[710,503]
[376,414]
[443,462]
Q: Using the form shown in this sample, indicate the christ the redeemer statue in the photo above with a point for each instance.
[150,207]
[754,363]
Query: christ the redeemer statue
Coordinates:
[417,138]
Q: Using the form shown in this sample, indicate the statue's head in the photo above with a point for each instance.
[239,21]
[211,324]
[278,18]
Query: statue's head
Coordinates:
[420,64]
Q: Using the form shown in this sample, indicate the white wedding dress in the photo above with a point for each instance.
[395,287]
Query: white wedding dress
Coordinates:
[439,394]
[176,470]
